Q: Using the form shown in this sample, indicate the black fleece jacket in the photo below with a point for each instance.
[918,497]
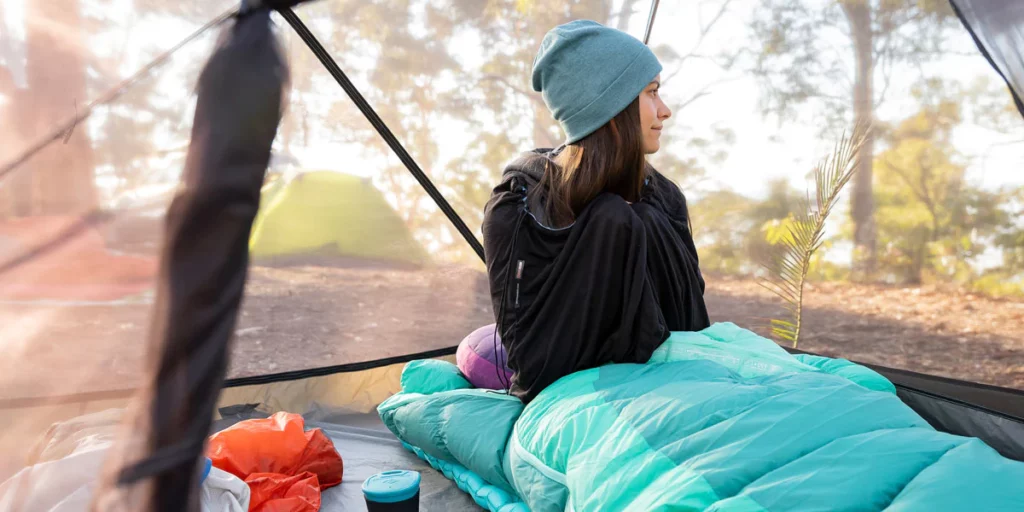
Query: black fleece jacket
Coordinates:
[606,289]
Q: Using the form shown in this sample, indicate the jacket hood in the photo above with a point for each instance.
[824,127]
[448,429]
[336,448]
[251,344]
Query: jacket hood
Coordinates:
[522,176]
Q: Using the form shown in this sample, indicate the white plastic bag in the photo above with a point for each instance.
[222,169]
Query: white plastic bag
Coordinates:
[66,485]
[61,485]
[223,492]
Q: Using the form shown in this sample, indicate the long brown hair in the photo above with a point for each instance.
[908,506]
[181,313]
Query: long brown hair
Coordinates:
[609,160]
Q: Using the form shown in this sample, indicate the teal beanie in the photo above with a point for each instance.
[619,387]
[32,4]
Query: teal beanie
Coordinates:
[588,73]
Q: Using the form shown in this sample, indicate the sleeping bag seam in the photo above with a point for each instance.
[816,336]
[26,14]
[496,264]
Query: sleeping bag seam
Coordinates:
[922,470]
[533,461]
[809,451]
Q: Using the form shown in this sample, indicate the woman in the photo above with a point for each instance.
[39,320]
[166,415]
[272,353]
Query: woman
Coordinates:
[588,248]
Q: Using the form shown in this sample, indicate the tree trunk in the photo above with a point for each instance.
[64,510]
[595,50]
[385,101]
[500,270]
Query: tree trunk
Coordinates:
[61,176]
[10,143]
[916,275]
[858,13]
[8,121]
[626,14]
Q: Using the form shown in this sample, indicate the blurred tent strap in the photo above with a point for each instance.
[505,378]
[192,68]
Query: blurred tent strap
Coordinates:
[202,272]
[205,258]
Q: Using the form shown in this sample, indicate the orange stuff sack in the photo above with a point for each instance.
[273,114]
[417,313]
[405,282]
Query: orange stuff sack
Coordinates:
[274,492]
[267,453]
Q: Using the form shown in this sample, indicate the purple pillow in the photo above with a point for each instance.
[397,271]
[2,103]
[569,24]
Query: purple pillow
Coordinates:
[479,362]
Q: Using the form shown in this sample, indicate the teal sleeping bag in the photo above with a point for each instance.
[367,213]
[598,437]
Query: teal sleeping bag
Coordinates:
[720,420]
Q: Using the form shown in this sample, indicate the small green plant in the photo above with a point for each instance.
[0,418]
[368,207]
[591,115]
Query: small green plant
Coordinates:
[788,263]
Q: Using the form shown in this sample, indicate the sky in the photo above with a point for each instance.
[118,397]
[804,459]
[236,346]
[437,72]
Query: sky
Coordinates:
[762,149]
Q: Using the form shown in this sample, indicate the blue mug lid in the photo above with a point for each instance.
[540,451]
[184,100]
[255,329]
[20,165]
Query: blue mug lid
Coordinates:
[391,486]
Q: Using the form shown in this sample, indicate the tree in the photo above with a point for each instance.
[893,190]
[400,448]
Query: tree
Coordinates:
[804,54]
[932,221]
[510,117]
[917,182]
[412,62]
[731,229]
[1008,278]
[58,180]
[8,133]
[789,263]
[409,60]
[723,230]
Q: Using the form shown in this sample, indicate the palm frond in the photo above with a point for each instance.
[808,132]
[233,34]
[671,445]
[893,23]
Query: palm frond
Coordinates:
[787,265]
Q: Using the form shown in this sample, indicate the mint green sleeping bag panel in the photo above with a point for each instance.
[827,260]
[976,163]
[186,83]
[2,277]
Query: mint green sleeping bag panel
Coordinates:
[720,420]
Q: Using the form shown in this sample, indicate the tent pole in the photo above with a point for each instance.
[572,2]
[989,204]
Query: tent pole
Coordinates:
[650,20]
[382,128]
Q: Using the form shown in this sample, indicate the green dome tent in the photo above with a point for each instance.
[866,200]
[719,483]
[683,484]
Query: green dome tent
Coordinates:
[314,214]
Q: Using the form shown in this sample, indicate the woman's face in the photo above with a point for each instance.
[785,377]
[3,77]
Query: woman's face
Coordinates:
[653,113]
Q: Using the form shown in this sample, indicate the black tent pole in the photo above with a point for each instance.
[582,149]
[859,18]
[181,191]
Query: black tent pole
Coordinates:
[382,128]
[650,21]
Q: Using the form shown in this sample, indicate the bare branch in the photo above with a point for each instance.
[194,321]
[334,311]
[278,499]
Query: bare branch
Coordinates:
[904,174]
[704,91]
[886,82]
[624,15]
[714,20]
[695,97]
[704,29]
[504,81]
[1006,143]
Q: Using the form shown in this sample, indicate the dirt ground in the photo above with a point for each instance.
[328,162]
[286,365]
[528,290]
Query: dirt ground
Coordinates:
[311,316]
[926,329]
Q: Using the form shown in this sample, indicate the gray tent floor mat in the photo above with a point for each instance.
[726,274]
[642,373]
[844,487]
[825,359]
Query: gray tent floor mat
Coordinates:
[367,447]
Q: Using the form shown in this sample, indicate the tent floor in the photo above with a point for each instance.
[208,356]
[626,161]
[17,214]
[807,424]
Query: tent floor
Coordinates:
[367,448]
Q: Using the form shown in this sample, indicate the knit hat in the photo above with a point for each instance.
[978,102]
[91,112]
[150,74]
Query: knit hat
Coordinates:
[588,73]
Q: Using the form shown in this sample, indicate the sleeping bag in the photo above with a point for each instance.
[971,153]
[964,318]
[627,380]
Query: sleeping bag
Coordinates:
[718,420]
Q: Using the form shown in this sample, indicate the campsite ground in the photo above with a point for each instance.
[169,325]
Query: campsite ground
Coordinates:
[923,329]
[303,317]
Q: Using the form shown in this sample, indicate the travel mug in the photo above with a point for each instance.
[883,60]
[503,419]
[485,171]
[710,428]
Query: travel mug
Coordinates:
[393,491]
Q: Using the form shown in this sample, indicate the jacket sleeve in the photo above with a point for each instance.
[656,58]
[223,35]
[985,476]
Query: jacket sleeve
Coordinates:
[500,216]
